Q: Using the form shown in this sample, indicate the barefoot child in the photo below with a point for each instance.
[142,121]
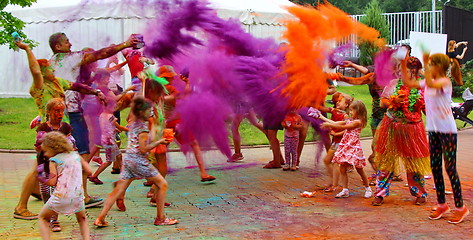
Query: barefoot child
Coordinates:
[349,152]
[136,165]
[65,172]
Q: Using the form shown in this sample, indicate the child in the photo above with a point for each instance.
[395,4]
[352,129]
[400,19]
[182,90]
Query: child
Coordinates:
[55,113]
[441,128]
[292,123]
[65,167]
[349,152]
[107,124]
[342,102]
[136,165]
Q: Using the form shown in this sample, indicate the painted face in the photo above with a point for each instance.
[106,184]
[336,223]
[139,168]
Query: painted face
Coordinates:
[48,152]
[56,114]
[64,46]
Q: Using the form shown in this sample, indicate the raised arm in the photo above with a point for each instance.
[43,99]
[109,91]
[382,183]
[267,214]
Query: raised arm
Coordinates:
[429,82]
[463,53]
[90,57]
[33,64]
[116,67]
[360,68]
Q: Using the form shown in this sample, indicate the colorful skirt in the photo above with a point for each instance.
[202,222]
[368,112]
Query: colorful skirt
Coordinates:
[400,141]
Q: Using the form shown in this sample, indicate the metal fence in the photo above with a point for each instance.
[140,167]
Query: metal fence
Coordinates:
[401,24]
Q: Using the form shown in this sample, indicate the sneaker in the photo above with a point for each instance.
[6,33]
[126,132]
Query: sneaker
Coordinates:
[97,160]
[95,180]
[93,202]
[459,215]
[236,157]
[55,227]
[439,212]
[343,194]
[368,193]
[420,201]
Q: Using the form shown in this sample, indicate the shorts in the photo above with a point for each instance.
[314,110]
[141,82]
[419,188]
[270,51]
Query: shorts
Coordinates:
[79,132]
[111,152]
[374,122]
[276,127]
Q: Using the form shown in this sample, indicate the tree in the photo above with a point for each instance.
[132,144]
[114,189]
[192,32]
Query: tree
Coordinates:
[373,18]
[10,24]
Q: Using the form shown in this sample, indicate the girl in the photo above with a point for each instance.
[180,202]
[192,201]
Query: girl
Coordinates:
[401,138]
[292,123]
[349,151]
[55,113]
[441,128]
[136,165]
[65,167]
[342,102]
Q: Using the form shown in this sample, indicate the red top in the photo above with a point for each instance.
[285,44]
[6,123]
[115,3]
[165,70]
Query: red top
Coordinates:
[337,115]
[134,63]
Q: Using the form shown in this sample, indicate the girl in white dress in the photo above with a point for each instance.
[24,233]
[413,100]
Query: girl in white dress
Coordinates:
[65,166]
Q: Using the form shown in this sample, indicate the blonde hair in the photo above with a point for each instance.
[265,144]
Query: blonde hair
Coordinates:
[52,103]
[360,112]
[57,142]
[443,61]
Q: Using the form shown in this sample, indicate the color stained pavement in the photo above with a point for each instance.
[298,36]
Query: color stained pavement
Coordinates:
[249,202]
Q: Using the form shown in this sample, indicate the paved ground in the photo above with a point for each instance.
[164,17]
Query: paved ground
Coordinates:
[249,202]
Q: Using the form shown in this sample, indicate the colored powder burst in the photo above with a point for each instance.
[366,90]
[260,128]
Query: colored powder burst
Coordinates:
[310,37]
[384,67]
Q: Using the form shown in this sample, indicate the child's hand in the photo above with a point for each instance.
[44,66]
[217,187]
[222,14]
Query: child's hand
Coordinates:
[22,45]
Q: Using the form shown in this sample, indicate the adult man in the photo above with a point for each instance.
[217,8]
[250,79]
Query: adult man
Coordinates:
[67,65]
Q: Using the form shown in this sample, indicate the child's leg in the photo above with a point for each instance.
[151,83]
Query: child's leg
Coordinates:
[101,168]
[336,174]
[450,149]
[162,166]
[117,192]
[199,158]
[46,192]
[84,227]
[362,174]
[436,151]
[343,174]
[160,194]
[287,150]
[302,136]
[416,184]
[43,221]
[235,133]
[328,163]
[294,143]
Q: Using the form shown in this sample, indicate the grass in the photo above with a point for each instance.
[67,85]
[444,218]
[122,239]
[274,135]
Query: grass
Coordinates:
[16,114]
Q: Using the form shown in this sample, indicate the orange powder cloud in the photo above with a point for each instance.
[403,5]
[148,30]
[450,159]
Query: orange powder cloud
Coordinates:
[310,38]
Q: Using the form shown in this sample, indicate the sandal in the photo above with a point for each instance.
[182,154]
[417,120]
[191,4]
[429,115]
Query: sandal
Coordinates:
[272,165]
[55,227]
[100,223]
[166,221]
[208,179]
[121,205]
[330,189]
[24,214]
[378,201]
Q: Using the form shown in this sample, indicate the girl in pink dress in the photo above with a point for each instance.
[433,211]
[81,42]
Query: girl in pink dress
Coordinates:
[349,151]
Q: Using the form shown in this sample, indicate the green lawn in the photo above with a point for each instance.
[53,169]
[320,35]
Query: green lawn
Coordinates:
[16,114]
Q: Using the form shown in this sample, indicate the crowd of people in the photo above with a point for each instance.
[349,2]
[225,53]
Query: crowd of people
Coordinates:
[79,108]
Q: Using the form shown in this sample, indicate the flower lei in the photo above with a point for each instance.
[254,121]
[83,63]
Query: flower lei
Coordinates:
[410,109]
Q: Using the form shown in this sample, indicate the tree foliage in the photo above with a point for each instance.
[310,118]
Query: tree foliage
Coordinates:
[373,18]
[10,24]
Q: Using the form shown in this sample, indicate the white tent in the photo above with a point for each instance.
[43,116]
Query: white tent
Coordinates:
[98,23]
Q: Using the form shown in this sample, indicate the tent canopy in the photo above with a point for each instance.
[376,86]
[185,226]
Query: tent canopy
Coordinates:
[263,11]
